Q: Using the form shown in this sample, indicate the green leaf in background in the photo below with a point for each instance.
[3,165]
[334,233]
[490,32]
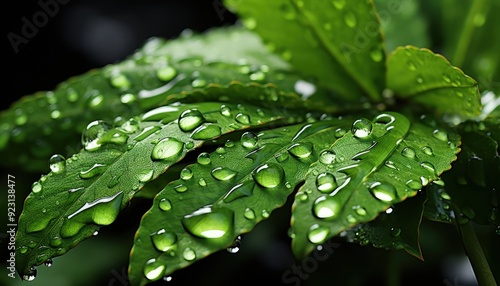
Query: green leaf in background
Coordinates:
[407,14]
[226,193]
[397,228]
[338,44]
[421,76]
[468,41]
[375,165]
[49,122]
[89,189]
[472,183]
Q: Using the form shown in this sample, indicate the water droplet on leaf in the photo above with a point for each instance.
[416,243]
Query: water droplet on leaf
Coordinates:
[383,191]
[167,148]
[190,119]
[153,269]
[326,182]
[163,240]
[362,128]
[326,207]
[269,175]
[165,204]
[249,140]
[209,222]
[317,234]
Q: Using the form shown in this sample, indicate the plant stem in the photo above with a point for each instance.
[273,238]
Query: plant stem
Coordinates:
[467,32]
[476,256]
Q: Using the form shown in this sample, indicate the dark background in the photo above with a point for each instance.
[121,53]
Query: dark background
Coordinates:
[82,35]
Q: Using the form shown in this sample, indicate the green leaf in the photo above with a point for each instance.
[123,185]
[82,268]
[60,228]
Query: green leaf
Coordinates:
[377,164]
[472,184]
[89,189]
[226,193]
[407,14]
[336,43]
[397,228]
[421,76]
[49,122]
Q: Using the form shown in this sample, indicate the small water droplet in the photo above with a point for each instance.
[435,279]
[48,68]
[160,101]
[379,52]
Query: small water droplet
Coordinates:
[317,234]
[223,174]
[167,148]
[362,128]
[225,110]
[56,241]
[204,158]
[72,95]
[243,118]
[249,213]
[326,182]
[36,187]
[30,275]
[377,55]
[119,80]
[57,163]
[446,78]
[420,80]
[411,66]
[163,240]
[408,152]
[250,23]
[202,182]
[383,191]
[180,188]
[414,185]
[269,175]
[395,231]
[350,20]
[186,174]
[360,210]
[427,150]
[428,166]
[190,119]
[128,98]
[249,140]
[339,132]
[166,73]
[326,207]
[153,269]
[144,176]
[189,254]
[48,263]
[93,171]
[93,132]
[265,214]
[209,222]
[440,135]
[165,204]
[206,132]
[301,150]
[235,247]
[338,4]
[23,249]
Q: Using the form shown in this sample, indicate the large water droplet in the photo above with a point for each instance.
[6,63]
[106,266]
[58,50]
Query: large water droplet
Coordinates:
[326,207]
[93,132]
[362,128]
[326,183]
[223,174]
[269,175]
[414,185]
[57,163]
[206,131]
[163,240]
[190,119]
[301,150]
[209,222]
[383,191]
[327,157]
[153,269]
[167,148]
[102,211]
[225,110]
[249,140]
[317,234]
